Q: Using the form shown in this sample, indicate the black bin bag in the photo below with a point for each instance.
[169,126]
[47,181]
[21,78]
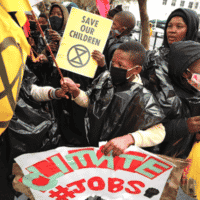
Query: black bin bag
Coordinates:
[117,111]
[32,129]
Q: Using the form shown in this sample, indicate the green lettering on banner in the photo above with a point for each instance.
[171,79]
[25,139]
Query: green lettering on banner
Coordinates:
[110,160]
[60,164]
[95,160]
[150,165]
[28,180]
[129,159]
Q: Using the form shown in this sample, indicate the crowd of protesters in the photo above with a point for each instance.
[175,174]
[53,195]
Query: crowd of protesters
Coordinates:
[138,97]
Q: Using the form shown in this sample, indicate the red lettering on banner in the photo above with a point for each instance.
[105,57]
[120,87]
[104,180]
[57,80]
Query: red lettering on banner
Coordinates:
[47,167]
[88,160]
[113,186]
[136,189]
[79,185]
[100,183]
[64,162]
[104,163]
[61,193]
[152,168]
[41,181]
[120,162]
[77,150]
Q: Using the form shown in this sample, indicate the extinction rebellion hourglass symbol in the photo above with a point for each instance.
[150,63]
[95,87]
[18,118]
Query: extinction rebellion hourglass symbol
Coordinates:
[78,56]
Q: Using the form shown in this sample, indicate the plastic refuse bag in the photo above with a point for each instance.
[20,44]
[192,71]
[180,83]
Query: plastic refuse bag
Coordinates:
[31,129]
[156,72]
[116,111]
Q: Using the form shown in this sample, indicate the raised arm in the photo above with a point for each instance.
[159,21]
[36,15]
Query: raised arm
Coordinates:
[79,96]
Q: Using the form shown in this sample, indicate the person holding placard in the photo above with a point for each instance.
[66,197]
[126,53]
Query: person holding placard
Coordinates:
[117,103]
[123,23]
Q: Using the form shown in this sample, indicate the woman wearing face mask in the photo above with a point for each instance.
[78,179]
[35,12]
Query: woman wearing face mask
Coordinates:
[183,131]
[58,16]
[184,73]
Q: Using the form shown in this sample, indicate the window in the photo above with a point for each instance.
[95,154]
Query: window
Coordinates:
[164,2]
[196,5]
[190,4]
[173,2]
[182,3]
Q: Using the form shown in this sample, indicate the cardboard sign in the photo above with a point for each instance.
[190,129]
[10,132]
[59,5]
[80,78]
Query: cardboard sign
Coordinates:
[74,173]
[84,33]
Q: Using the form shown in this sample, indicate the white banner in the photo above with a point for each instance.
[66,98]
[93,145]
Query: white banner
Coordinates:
[78,173]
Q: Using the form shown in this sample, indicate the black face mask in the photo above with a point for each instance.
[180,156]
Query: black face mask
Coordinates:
[44,27]
[56,23]
[33,25]
[119,75]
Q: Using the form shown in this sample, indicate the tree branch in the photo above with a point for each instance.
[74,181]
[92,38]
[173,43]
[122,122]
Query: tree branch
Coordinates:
[144,24]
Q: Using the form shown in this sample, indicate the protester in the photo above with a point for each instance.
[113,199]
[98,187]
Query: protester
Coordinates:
[123,23]
[114,11]
[37,62]
[182,130]
[44,24]
[184,60]
[182,24]
[121,93]
[58,16]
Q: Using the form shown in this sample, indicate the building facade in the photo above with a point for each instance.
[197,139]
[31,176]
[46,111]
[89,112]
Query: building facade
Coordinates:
[159,9]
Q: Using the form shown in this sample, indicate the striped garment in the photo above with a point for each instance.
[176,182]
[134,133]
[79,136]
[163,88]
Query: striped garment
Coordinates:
[46,93]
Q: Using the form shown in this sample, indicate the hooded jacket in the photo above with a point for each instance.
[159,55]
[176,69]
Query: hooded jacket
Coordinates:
[65,16]
[178,141]
[192,21]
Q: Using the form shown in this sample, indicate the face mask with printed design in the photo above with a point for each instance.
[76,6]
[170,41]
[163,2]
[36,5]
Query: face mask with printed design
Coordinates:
[195,80]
